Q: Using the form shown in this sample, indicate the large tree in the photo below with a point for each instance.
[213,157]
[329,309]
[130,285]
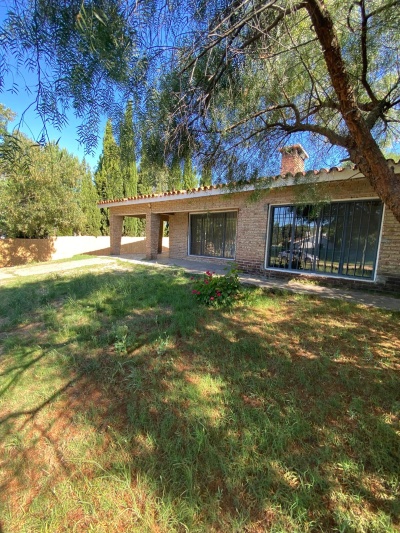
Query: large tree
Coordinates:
[189,173]
[263,71]
[127,147]
[108,176]
[40,192]
[87,200]
[253,73]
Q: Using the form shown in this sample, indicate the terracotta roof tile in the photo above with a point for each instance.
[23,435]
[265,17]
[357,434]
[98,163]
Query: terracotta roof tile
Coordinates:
[233,185]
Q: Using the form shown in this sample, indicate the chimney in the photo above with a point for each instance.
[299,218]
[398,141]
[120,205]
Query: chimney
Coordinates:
[292,159]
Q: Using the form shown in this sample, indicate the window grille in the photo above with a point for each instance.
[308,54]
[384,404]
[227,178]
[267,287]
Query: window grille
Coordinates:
[340,238]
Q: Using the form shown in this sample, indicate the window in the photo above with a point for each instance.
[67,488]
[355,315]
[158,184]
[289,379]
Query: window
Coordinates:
[340,238]
[213,234]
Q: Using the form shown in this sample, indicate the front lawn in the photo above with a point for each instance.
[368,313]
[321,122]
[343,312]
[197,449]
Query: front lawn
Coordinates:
[125,405]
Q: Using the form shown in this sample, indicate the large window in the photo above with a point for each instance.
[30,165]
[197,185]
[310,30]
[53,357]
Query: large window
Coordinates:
[213,234]
[340,238]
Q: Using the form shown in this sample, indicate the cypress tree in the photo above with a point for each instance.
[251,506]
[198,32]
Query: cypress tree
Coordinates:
[128,165]
[206,176]
[108,177]
[152,175]
[189,175]
[175,174]
[87,200]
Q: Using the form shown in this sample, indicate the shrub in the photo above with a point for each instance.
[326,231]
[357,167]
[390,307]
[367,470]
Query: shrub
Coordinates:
[217,291]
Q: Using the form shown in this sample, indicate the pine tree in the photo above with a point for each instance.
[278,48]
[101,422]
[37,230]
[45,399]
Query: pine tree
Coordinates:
[108,177]
[189,175]
[128,165]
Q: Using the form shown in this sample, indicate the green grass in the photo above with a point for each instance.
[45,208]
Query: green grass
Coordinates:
[127,406]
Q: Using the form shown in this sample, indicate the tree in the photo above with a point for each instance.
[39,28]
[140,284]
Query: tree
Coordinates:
[108,176]
[128,165]
[175,182]
[154,174]
[260,73]
[189,175]
[39,192]
[8,143]
[253,73]
[5,116]
[87,200]
[206,176]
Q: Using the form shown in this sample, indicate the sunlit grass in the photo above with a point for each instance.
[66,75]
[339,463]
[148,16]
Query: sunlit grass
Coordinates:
[126,406]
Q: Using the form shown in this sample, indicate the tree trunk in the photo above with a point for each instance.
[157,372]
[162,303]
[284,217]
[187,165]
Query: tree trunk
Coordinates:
[362,148]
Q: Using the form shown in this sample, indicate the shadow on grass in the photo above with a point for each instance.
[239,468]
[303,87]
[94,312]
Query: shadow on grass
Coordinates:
[119,390]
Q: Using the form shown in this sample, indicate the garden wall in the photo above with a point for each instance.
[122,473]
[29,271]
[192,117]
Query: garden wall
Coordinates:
[15,252]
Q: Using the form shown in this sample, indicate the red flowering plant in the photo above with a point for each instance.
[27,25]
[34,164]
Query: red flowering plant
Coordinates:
[217,291]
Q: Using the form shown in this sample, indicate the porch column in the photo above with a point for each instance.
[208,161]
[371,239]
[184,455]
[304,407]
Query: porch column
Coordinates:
[160,236]
[116,223]
[152,235]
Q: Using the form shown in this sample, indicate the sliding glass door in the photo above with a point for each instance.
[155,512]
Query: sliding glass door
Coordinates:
[213,234]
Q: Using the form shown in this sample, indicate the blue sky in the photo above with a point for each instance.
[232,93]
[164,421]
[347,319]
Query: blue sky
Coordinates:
[27,119]
[30,124]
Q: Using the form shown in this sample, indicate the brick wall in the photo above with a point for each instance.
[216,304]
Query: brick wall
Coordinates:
[389,253]
[152,234]
[253,217]
[178,235]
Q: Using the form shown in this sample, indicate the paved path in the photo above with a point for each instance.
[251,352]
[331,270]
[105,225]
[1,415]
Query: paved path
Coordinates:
[197,267]
[52,267]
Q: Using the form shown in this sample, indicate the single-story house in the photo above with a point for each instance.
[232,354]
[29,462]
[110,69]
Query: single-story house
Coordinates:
[327,224]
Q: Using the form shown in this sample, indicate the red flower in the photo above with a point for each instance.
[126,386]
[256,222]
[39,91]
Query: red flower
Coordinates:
[212,298]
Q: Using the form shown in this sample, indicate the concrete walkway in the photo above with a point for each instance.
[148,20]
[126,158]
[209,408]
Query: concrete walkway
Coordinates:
[388,302]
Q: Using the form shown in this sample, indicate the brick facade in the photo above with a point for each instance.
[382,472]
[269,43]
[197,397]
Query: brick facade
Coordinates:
[153,221]
[252,224]
[116,224]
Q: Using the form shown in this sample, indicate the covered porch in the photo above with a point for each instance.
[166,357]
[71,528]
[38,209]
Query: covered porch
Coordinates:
[155,242]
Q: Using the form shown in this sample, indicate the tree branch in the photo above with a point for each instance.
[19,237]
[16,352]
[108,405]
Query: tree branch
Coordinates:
[364,52]
[384,8]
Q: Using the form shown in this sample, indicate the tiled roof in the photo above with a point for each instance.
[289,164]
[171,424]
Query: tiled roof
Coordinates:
[169,193]
[239,186]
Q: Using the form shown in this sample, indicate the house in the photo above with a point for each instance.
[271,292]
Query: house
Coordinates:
[325,224]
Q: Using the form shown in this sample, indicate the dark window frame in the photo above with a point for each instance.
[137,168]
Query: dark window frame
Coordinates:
[348,232]
[206,217]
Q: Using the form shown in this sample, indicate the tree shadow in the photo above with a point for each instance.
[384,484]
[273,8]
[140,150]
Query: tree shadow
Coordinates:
[280,414]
